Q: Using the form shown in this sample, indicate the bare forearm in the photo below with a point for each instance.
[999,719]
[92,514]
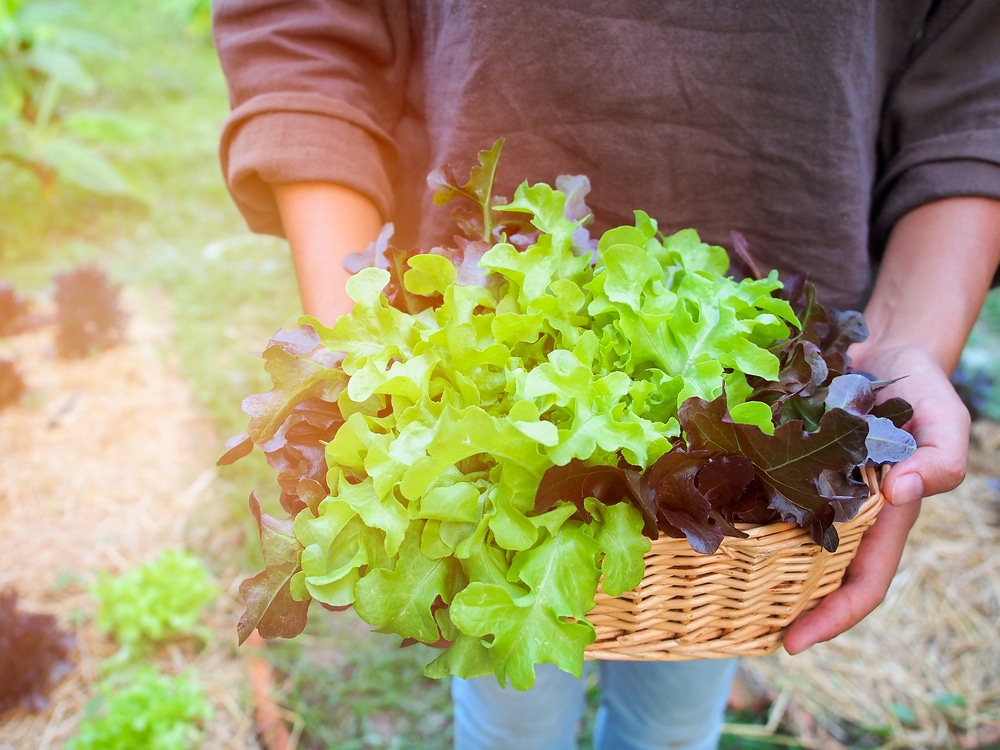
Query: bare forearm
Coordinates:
[934,277]
[324,223]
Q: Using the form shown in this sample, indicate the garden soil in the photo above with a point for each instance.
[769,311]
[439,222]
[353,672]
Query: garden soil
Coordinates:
[108,461]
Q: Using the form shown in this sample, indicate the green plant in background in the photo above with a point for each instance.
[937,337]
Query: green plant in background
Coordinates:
[41,62]
[195,14]
[144,709]
[978,375]
[155,602]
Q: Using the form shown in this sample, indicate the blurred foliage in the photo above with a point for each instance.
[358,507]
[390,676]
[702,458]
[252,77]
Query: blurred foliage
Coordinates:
[977,377]
[359,691]
[44,77]
[160,600]
[144,709]
[196,15]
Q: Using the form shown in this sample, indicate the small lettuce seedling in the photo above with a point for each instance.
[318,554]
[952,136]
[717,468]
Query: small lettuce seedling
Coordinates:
[155,602]
[88,312]
[35,653]
[144,709]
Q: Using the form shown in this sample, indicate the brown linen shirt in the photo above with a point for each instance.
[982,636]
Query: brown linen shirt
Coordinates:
[809,127]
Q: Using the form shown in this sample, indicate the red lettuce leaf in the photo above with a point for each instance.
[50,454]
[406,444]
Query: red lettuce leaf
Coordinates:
[270,608]
[293,422]
[237,447]
[298,453]
[724,480]
[742,258]
[576,481]
[789,462]
[673,483]
[886,442]
[300,368]
[896,410]
[683,494]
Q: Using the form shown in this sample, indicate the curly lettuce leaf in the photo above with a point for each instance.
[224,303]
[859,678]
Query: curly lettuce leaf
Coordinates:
[271,609]
[547,623]
[402,599]
[619,537]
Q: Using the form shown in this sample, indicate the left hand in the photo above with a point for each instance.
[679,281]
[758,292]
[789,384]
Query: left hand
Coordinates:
[935,273]
[940,425]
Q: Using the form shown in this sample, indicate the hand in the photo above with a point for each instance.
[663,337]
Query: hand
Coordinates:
[940,425]
[865,582]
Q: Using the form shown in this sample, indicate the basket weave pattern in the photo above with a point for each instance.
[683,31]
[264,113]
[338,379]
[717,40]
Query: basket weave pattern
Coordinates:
[737,601]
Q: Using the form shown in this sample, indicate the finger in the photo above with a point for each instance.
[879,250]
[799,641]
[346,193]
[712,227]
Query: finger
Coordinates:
[939,463]
[865,583]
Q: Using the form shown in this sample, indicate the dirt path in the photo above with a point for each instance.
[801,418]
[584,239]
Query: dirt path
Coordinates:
[107,462]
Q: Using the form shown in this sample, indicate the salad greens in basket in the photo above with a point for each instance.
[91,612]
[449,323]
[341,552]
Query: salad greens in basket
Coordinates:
[499,425]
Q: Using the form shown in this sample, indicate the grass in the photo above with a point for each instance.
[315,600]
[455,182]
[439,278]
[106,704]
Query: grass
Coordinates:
[227,291]
[355,690]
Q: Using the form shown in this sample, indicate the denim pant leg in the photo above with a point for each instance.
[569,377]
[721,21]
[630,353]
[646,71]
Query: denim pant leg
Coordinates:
[658,705]
[546,717]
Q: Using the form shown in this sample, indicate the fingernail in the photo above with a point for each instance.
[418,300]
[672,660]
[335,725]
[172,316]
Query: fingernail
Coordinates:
[907,489]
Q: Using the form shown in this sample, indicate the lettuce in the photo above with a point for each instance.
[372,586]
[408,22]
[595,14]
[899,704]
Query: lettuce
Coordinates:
[497,426]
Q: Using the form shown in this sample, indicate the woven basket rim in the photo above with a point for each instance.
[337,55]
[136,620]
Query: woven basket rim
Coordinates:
[872,477]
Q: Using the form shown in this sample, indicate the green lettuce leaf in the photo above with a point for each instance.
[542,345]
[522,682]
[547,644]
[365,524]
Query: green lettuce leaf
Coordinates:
[547,623]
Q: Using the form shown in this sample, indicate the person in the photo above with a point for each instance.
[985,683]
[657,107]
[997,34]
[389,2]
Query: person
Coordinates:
[856,141]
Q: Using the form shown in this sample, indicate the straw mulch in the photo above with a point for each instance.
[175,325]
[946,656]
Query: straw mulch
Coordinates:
[922,670]
[104,464]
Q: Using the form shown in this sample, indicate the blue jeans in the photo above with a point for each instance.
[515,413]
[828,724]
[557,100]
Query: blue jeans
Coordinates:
[644,706]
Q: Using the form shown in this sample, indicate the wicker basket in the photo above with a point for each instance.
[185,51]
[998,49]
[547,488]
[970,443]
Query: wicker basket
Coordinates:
[737,601]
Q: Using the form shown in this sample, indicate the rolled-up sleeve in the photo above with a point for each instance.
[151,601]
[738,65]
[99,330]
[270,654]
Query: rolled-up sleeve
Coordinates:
[316,88]
[940,136]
